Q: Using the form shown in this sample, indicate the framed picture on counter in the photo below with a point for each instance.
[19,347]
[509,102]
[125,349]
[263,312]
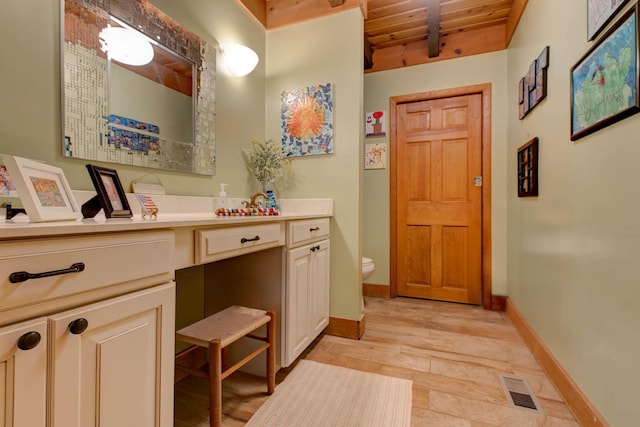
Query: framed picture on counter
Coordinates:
[43,190]
[111,196]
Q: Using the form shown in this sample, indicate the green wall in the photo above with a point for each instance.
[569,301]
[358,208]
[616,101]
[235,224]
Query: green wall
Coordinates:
[299,57]
[378,88]
[30,87]
[573,251]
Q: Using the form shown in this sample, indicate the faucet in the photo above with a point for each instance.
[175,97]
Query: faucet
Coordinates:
[253,203]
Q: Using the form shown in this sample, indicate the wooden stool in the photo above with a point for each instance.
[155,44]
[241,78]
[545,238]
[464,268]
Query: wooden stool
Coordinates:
[218,331]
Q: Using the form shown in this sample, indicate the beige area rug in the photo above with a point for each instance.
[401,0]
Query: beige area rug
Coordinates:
[316,394]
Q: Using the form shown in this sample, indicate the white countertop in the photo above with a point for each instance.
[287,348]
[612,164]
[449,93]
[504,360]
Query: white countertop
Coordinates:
[173,212]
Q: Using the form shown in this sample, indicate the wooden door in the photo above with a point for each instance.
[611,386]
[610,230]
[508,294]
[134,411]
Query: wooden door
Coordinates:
[438,199]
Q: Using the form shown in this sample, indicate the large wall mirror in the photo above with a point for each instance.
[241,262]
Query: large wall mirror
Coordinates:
[138,88]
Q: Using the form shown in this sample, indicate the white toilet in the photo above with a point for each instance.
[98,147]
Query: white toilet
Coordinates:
[367,267]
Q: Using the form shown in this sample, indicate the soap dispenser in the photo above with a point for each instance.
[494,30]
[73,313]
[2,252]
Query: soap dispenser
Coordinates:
[222,197]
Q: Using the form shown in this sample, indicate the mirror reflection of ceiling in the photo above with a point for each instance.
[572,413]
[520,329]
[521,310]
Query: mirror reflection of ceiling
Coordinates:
[157,115]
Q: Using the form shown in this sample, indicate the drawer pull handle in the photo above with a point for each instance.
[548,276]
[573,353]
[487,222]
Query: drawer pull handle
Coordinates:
[315,248]
[245,240]
[23,276]
[78,326]
[29,340]
[314,229]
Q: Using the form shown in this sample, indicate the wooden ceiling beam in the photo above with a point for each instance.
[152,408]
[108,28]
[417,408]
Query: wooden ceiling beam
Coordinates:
[433,27]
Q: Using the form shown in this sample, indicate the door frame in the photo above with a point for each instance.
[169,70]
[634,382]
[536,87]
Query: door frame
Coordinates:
[485,91]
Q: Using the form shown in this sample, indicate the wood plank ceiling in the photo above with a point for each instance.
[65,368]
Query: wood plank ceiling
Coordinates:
[401,33]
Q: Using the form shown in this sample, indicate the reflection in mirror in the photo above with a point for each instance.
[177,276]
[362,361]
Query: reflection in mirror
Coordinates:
[157,111]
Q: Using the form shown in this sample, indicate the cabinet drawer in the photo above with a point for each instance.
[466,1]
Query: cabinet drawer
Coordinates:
[219,243]
[306,231]
[109,259]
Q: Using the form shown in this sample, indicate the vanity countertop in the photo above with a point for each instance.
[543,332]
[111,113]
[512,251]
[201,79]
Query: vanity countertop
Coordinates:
[196,212]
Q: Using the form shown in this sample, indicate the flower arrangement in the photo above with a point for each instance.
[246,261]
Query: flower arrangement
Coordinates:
[265,161]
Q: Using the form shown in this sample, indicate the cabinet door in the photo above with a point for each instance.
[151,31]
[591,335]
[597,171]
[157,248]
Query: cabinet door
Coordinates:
[23,374]
[297,303]
[119,371]
[319,291]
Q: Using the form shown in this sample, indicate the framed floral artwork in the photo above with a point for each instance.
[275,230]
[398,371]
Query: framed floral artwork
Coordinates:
[306,119]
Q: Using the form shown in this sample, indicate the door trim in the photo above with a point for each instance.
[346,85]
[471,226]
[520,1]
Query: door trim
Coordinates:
[485,91]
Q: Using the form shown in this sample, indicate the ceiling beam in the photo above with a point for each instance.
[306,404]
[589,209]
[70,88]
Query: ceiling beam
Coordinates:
[433,27]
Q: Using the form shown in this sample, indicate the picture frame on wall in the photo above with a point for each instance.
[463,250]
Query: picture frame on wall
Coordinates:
[604,82]
[528,169]
[599,14]
[110,196]
[43,190]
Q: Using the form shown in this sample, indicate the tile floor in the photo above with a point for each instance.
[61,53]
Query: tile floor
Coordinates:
[452,352]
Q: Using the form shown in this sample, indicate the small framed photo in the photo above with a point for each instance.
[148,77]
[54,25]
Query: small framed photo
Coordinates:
[43,190]
[111,196]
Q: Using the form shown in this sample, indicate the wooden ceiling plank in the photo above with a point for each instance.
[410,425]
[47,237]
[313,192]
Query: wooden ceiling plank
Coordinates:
[397,19]
[398,26]
[485,40]
[396,8]
[433,27]
[517,9]
[256,8]
[484,20]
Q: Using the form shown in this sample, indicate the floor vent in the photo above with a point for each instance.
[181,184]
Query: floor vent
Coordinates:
[519,393]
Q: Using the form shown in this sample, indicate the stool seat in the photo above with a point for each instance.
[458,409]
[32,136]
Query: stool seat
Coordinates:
[227,325]
[220,330]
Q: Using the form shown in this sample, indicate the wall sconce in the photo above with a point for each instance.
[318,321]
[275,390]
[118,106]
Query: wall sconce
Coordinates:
[240,60]
[125,45]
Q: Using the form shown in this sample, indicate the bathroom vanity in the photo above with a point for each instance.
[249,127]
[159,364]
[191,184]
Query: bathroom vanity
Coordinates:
[87,308]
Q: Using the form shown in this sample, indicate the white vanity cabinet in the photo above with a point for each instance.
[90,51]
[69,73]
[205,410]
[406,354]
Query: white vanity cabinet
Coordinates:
[307,285]
[90,345]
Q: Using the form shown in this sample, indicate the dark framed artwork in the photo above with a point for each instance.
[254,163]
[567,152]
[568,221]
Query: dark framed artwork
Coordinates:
[599,14]
[110,195]
[532,88]
[528,169]
[604,82]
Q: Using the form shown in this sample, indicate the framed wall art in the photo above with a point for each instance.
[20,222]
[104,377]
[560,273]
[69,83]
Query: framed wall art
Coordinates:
[43,190]
[528,169]
[306,118]
[110,195]
[599,14]
[604,82]
[532,88]
[375,124]
[375,156]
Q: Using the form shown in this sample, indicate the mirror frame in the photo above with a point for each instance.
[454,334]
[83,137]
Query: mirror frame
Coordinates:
[197,156]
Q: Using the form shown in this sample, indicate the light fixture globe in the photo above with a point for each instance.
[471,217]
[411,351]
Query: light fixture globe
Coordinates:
[239,59]
[126,46]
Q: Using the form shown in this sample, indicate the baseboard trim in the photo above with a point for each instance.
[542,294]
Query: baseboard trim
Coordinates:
[345,328]
[498,303]
[373,290]
[584,411]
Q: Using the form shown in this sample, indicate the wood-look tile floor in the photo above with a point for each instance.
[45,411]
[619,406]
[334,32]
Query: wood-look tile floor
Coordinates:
[452,352]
